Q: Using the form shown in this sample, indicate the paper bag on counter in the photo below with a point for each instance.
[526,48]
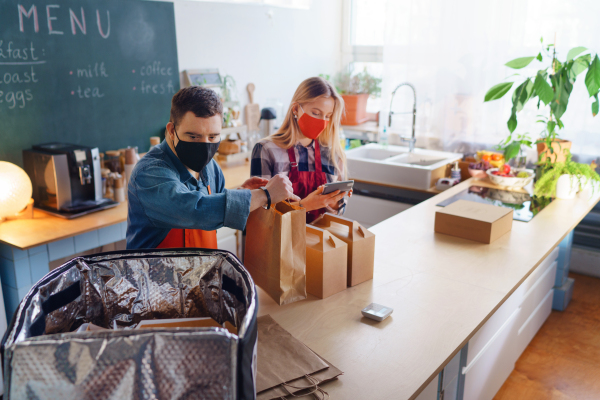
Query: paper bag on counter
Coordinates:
[303,386]
[275,252]
[326,263]
[281,357]
[361,246]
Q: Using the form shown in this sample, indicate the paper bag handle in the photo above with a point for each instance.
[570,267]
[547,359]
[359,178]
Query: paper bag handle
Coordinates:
[329,218]
[321,233]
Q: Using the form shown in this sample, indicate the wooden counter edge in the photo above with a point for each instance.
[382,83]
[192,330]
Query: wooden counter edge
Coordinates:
[236,174]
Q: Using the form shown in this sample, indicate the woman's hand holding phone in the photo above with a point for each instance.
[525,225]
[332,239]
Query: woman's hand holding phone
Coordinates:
[316,200]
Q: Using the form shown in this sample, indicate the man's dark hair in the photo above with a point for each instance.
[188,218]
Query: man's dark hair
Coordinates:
[203,102]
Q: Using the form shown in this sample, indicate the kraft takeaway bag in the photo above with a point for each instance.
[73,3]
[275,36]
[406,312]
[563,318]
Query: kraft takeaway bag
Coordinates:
[275,252]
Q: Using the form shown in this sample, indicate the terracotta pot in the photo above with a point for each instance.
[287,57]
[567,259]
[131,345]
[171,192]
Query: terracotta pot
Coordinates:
[559,146]
[355,109]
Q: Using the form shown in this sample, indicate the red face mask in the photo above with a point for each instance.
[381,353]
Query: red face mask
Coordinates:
[310,126]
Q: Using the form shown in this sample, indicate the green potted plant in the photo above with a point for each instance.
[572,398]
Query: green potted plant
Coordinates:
[355,90]
[514,147]
[552,86]
[564,178]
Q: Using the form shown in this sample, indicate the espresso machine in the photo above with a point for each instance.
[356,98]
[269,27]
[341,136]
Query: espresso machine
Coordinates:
[66,179]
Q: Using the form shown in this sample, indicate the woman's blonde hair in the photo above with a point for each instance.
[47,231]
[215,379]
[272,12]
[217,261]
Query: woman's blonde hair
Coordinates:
[289,132]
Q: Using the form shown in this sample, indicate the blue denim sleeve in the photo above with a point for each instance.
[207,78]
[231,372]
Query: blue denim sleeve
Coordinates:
[169,203]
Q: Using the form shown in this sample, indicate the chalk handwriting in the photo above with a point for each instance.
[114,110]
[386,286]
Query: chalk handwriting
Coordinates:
[14,99]
[53,13]
[158,88]
[74,20]
[28,14]
[50,19]
[88,92]
[104,35]
[155,69]
[10,52]
[99,71]
[15,77]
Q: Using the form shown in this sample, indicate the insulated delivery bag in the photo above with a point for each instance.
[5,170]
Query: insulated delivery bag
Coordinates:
[44,358]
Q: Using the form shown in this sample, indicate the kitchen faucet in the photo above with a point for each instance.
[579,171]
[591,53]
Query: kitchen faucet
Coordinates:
[412,140]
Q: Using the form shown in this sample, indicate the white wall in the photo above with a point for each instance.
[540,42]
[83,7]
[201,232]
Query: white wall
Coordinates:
[275,53]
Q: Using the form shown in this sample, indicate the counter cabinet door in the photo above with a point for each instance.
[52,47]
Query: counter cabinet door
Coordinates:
[229,239]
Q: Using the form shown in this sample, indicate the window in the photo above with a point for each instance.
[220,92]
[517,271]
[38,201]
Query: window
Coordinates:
[300,4]
[363,35]
[363,26]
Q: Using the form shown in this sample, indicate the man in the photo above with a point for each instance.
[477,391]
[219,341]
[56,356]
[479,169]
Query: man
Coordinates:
[177,195]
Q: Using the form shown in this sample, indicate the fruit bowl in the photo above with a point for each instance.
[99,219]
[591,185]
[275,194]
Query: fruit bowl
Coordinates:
[477,170]
[477,173]
[510,181]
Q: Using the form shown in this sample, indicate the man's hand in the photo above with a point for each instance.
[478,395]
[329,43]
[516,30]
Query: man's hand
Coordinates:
[254,183]
[280,188]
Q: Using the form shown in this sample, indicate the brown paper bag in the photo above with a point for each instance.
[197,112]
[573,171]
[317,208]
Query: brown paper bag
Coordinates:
[303,386]
[281,357]
[276,251]
[326,263]
[361,246]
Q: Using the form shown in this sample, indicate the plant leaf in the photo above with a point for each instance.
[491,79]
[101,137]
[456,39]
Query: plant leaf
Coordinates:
[574,52]
[595,105]
[512,150]
[581,64]
[542,88]
[496,92]
[562,91]
[519,63]
[512,122]
[592,78]
[539,57]
[551,125]
[521,95]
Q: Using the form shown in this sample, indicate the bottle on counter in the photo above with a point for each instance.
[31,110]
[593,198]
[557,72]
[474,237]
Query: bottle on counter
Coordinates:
[154,141]
[119,181]
[131,158]
[455,172]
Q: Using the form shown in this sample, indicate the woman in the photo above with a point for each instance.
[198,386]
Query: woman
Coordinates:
[307,148]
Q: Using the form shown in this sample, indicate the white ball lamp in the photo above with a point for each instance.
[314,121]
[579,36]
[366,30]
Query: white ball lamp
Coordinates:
[15,190]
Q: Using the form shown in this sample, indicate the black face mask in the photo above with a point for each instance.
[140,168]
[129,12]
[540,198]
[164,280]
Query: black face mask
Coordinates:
[195,155]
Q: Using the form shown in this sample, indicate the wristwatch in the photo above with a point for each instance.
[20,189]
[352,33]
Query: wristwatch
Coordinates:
[268,205]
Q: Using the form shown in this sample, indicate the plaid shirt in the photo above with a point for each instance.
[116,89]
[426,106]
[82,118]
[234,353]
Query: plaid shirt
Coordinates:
[268,160]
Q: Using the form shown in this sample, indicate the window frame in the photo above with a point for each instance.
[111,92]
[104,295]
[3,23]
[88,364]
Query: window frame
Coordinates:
[353,53]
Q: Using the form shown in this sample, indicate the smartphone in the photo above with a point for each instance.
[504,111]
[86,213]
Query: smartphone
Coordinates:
[344,186]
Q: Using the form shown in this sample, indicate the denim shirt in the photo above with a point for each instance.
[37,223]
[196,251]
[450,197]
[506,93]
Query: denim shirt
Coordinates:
[163,195]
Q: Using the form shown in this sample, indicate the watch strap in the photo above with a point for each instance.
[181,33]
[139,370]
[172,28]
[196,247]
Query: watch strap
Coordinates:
[268,205]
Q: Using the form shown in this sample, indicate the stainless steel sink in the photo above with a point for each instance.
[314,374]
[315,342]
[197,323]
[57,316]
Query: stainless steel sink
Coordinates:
[395,165]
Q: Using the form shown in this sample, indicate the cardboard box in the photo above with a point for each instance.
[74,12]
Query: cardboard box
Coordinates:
[206,322]
[474,221]
[326,263]
[361,246]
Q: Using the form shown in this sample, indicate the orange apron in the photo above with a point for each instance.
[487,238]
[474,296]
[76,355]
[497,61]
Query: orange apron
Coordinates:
[178,238]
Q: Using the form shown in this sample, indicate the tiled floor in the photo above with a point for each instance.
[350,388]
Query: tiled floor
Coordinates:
[563,360]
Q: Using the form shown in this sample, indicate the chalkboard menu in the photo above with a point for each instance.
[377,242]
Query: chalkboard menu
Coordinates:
[93,72]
